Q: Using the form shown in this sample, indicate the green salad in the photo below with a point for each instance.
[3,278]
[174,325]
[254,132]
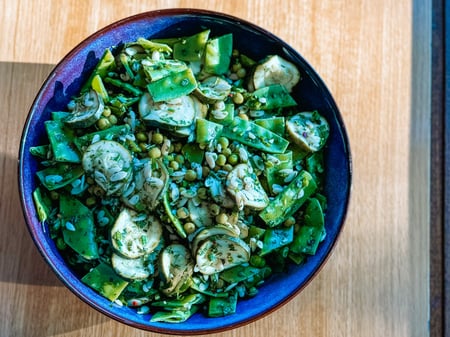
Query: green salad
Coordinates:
[183,175]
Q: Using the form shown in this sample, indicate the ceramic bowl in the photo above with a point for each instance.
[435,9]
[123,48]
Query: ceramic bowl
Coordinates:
[72,71]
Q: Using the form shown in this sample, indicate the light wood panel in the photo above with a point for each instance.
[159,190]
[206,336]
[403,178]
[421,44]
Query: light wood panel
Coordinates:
[375,58]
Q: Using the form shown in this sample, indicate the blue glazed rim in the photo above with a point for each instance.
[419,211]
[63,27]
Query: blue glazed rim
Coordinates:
[311,93]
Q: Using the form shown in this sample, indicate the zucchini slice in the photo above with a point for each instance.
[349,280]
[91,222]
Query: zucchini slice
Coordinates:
[220,252]
[130,269]
[173,114]
[309,130]
[133,237]
[205,233]
[176,267]
[274,70]
[212,89]
[88,110]
[110,164]
[244,186]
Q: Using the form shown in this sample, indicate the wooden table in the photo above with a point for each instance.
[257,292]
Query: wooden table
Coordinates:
[375,57]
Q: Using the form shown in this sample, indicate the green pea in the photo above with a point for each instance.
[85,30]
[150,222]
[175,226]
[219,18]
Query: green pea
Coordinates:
[141,136]
[60,244]
[222,218]
[226,152]
[157,138]
[106,112]
[224,142]
[221,160]
[214,209]
[91,201]
[103,123]
[112,119]
[233,159]
[189,227]
[238,98]
[154,152]
[179,158]
[190,175]
[174,165]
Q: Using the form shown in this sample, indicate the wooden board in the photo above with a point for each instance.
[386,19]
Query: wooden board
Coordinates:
[375,56]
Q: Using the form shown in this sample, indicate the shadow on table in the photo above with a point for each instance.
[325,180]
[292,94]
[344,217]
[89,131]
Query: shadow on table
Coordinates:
[30,291]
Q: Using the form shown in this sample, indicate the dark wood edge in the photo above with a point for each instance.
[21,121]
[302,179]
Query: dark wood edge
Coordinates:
[439,231]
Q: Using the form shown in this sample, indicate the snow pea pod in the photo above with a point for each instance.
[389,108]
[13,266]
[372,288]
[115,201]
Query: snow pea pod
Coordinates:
[61,141]
[253,135]
[78,227]
[59,175]
[312,232]
[103,279]
[289,200]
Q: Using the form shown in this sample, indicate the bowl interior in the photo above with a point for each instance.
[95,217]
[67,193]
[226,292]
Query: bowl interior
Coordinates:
[311,93]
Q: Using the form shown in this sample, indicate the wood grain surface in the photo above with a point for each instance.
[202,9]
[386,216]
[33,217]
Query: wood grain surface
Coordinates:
[375,57]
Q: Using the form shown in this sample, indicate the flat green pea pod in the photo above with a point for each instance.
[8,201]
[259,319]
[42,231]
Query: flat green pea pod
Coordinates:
[275,238]
[104,280]
[312,231]
[191,48]
[174,316]
[289,200]
[78,227]
[113,133]
[172,86]
[59,175]
[271,97]
[222,306]
[275,124]
[207,131]
[62,142]
[104,65]
[255,136]
[42,203]
[217,56]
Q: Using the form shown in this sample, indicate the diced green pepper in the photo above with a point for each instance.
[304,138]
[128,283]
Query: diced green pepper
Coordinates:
[289,200]
[104,280]
[78,227]
[253,135]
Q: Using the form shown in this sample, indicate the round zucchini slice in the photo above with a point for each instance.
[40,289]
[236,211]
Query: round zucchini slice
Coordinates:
[134,235]
[309,130]
[220,252]
[274,70]
[212,89]
[176,266]
[244,186]
[131,269]
[177,113]
[205,233]
[110,164]
[88,110]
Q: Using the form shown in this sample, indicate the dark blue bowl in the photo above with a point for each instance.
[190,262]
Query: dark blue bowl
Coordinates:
[311,93]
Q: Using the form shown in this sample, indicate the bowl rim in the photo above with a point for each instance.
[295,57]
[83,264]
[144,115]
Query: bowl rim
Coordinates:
[64,278]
